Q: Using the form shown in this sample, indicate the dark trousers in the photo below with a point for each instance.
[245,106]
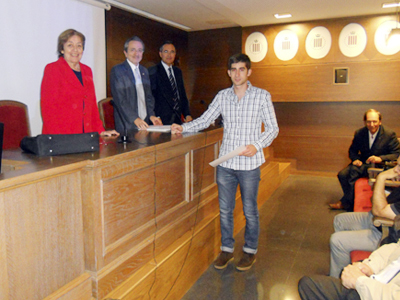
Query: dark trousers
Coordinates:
[347,178]
[320,287]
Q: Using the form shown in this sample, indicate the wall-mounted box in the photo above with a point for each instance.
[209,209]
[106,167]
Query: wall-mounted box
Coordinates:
[341,76]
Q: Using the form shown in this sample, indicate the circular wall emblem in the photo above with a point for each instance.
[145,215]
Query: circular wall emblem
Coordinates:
[318,42]
[383,44]
[286,45]
[352,40]
[256,46]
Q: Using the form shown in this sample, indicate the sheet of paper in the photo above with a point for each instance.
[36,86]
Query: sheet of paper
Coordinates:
[159,128]
[230,155]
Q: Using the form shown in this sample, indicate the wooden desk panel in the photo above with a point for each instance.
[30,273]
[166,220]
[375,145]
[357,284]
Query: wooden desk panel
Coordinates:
[204,176]
[172,186]
[42,237]
[152,207]
[129,218]
[128,204]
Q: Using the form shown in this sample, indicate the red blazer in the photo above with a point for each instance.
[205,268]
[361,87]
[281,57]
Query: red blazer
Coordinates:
[67,106]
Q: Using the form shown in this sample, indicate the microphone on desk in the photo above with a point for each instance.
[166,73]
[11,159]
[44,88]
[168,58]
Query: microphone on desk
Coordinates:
[124,137]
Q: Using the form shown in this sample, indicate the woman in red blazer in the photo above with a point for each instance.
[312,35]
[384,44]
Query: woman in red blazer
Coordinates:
[68,100]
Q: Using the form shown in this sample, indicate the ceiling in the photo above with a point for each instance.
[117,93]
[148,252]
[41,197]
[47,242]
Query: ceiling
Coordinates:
[212,14]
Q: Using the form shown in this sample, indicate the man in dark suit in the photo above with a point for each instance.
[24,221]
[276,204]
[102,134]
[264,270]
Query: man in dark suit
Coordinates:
[168,88]
[131,90]
[373,143]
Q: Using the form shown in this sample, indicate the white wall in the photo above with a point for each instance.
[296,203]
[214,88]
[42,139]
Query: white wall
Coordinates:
[28,41]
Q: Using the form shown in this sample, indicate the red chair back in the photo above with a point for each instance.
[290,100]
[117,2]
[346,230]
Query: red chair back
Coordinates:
[106,111]
[15,117]
[362,203]
[362,195]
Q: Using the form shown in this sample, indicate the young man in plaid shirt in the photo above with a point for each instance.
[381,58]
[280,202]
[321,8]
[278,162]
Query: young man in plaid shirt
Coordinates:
[243,108]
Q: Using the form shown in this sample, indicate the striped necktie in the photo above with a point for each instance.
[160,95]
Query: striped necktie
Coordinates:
[174,89]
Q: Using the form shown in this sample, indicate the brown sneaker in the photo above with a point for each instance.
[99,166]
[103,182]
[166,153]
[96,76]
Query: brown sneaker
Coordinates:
[246,262]
[336,206]
[222,260]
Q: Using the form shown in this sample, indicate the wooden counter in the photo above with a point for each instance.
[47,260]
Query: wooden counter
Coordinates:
[131,221]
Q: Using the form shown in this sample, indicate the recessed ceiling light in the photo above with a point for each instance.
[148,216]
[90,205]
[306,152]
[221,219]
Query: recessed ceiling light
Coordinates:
[281,16]
[392,4]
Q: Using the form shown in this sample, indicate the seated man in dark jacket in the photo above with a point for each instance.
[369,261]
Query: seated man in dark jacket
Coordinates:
[373,143]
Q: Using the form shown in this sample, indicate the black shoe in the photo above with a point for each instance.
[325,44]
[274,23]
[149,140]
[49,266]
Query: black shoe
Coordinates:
[246,262]
[222,260]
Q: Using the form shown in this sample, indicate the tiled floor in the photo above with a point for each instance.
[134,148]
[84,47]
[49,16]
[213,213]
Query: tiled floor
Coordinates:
[294,240]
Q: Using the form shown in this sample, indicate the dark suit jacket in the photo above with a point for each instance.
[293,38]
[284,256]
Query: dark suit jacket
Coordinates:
[386,145]
[123,90]
[163,94]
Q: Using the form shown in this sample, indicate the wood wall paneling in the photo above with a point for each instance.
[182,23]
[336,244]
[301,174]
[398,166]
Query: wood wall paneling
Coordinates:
[331,118]
[212,48]
[316,129]
[335,26]
[206,85]
[318,134]
[373,76]
[209,51]
[372,81]
[199,51]
[121,25]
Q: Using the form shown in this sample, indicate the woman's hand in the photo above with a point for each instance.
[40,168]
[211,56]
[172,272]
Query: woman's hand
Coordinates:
[109,133]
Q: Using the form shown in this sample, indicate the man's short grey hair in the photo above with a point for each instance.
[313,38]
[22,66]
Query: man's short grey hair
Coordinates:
[134,38]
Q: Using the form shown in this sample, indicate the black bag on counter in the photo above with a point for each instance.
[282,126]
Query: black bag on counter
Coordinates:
[58,144]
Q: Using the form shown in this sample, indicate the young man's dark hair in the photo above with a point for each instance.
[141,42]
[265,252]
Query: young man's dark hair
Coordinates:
[240,57]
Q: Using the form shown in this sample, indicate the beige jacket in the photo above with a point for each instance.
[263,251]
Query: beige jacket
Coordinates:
[370,289]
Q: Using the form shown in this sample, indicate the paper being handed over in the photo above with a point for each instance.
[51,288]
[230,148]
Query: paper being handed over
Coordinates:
[158,128]
[230,155]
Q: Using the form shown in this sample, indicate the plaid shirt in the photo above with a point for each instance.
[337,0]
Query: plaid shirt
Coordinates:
[242,124]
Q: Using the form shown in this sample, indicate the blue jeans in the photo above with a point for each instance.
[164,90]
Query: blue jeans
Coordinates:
[228,180]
